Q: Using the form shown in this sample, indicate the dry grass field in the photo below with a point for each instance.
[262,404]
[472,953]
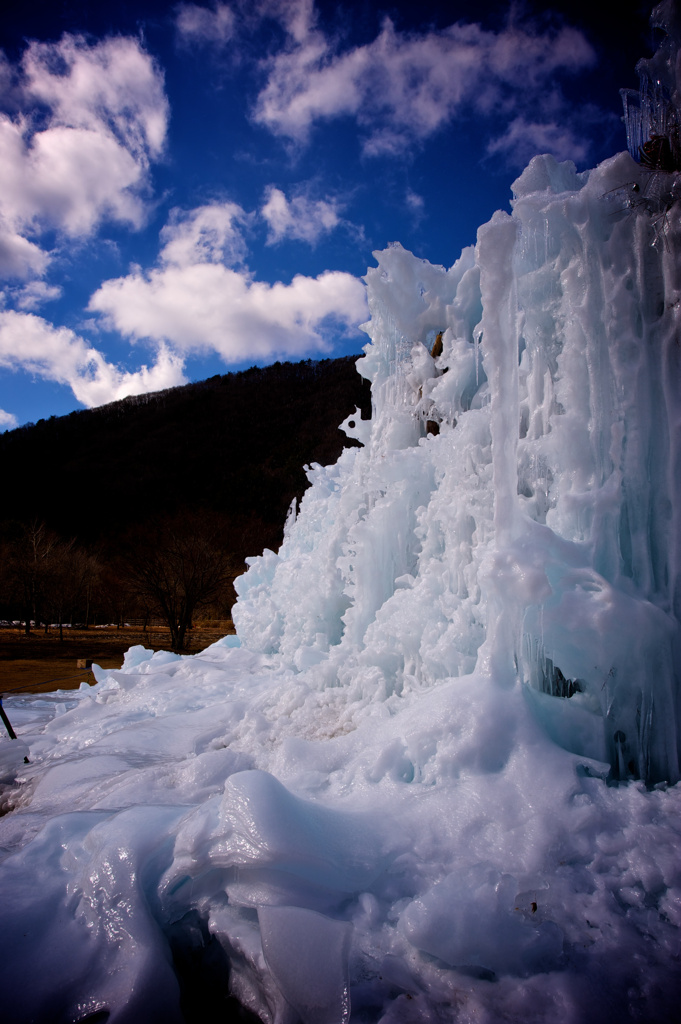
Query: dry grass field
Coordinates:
[42,662]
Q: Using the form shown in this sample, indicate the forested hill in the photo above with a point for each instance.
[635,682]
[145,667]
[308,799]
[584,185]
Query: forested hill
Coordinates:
[234,446]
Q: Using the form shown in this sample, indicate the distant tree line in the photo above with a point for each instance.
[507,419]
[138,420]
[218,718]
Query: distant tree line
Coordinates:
[176,568]
[44,578]
[148,506]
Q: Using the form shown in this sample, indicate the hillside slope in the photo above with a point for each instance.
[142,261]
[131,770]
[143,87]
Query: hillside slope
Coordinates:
[234,445]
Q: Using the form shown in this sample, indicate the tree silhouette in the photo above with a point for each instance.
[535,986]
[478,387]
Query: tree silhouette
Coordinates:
[33,561]
[180,565]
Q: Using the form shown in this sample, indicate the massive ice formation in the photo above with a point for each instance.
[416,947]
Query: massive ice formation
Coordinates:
[534,531]
[434,776]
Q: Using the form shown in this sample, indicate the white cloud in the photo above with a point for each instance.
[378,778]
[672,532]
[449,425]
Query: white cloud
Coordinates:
[307,84]
[19,258]
[8,420]
[71,178]
[218,25]
[195,301]
[35,293]
[401,88]
[103,118]
[31,344]
[203,26]
[211,308]
[301,218]
[415,202]
[207,234]
[113,86]
[523,139]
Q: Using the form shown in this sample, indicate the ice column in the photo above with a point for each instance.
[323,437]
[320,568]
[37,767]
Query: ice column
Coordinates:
[499,338]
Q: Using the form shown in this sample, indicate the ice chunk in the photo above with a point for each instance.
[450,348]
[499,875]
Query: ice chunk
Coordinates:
[136,656]
[354,426]
[265,826]
[308,955]
[91,930]
[471,921]
[269,847]
[12,756]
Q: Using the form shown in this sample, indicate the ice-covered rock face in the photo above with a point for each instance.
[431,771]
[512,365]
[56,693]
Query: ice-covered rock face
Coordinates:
[516,505]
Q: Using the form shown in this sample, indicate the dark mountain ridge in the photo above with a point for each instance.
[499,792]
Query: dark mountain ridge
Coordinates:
[233,446]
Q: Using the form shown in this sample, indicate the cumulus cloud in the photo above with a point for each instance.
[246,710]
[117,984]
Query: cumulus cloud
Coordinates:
[301,218]
[207,234]
[204,26]
[85,159]
[8,420]
[200,299]
[401,88]
[31,344]
[208,307]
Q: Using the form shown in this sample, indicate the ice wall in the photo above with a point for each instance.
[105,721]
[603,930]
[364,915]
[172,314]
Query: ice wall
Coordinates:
[515,508]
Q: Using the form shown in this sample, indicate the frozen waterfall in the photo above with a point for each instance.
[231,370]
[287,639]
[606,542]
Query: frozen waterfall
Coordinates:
[433,778]
[515,508]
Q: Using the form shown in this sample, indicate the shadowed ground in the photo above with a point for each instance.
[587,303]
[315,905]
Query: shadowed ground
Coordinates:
[41,662]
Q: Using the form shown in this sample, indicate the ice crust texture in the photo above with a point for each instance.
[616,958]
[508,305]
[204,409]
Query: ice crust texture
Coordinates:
[434,778]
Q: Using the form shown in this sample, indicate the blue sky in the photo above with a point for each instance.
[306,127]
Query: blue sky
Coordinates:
[188,189]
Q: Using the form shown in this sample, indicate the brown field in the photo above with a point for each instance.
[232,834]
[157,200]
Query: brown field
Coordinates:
[41,662]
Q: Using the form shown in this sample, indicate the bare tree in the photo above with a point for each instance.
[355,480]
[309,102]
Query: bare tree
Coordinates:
[44,577]
[32,561]
[70,578]
[181,565]
[89,574]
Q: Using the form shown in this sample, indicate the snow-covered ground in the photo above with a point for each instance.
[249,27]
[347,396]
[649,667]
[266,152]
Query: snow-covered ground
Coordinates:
[434,777]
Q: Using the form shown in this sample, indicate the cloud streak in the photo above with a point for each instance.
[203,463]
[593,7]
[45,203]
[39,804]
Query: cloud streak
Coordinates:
[523,139]
[202,26]
[35,293]
[31,344]
[404,87]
